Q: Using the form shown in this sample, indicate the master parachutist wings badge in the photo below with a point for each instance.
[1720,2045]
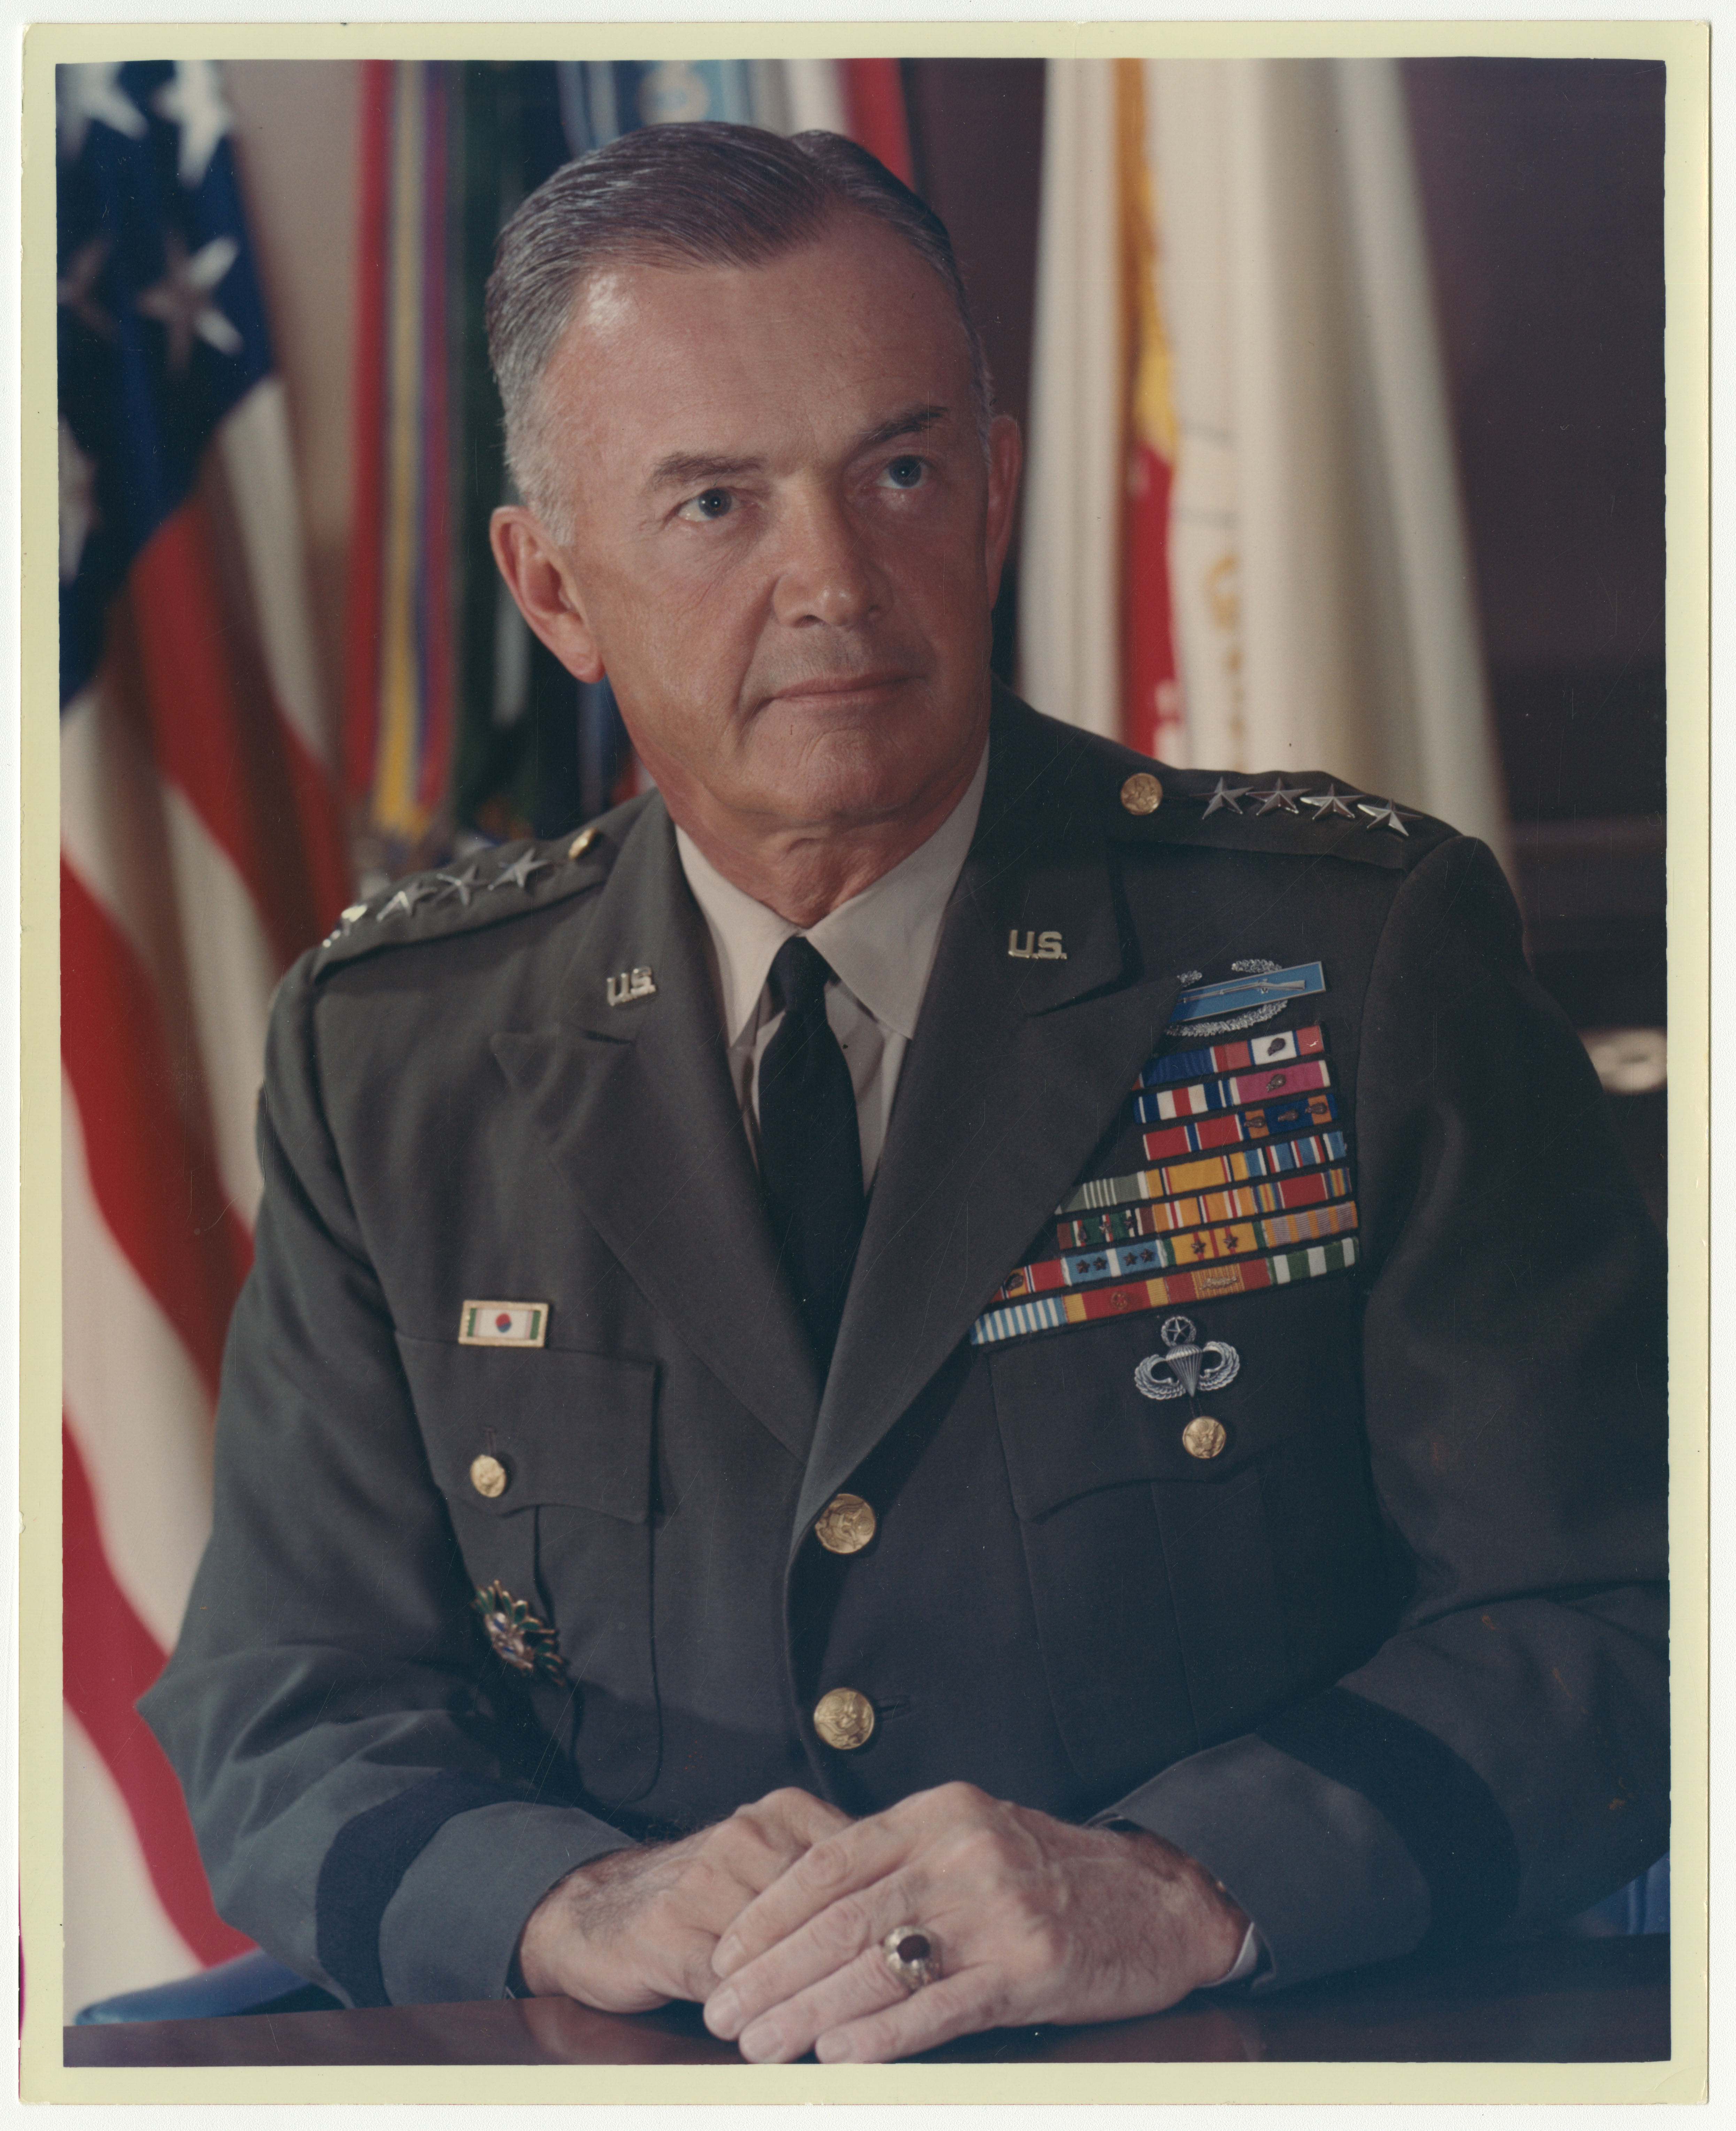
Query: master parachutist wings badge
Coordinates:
[1190,1370]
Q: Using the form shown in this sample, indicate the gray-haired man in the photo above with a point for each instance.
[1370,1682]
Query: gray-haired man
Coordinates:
[1070,1547]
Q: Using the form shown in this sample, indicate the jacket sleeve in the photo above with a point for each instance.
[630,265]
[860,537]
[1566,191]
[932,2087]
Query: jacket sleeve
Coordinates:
[361,1776]
[1500,1762]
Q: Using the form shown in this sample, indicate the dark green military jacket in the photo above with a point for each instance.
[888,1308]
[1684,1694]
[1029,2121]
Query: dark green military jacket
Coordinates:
[1383,1646]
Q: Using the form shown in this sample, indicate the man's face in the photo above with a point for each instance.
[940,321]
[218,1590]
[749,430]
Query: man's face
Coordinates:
[784,539]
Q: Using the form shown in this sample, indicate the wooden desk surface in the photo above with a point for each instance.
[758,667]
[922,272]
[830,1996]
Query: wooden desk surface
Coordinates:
[1554,2001]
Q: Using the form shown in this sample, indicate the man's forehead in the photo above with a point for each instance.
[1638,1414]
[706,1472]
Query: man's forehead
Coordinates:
[857,283]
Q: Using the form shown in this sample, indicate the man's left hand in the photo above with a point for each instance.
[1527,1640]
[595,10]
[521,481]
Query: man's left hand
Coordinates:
[1031,1920]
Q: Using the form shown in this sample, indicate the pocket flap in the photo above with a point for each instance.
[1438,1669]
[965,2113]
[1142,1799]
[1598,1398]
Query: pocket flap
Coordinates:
[559,1426]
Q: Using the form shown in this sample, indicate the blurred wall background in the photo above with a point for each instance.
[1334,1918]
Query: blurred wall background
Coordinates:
[1538,194]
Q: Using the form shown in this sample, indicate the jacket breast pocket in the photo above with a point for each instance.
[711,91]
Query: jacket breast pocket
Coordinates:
[544,1457]
[1194,1562]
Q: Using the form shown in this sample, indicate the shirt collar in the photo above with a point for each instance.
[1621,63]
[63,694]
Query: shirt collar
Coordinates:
[881,943]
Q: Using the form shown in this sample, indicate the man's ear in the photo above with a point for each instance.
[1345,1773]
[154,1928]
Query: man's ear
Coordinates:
[537,577]
[1006,453]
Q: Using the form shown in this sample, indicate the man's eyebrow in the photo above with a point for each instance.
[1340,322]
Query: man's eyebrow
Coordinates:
[910,424]
[706,469]
[700,469]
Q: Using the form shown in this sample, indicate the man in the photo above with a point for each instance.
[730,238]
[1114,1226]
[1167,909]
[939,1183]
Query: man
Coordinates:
[960,1543]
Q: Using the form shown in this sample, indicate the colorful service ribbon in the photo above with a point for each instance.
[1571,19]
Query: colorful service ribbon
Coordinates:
[1052,1313]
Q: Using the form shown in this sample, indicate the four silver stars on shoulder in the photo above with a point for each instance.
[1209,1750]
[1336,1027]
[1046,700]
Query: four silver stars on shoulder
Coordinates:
[437,888]
[1280,797]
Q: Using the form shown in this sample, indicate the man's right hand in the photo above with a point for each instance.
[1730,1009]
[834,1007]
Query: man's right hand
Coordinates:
[637,1928]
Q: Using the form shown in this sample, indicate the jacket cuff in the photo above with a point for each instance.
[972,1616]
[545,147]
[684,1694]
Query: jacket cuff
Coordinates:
[395,1849]
[1320,1870]
[451,1931]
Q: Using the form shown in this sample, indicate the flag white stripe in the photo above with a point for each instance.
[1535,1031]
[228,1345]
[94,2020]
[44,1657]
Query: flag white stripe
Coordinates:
[162,879]
[1069,591]
[253,449]
[134,1404]
[231,970]
[112,833]
[104,1876]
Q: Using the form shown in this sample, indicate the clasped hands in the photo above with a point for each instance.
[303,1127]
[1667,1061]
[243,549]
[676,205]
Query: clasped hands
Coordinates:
[773,1920]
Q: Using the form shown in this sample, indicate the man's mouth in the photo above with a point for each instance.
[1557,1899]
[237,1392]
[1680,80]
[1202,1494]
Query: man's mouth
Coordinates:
[832,687]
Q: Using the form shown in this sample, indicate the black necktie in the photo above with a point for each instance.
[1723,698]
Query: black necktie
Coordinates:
[810,1145]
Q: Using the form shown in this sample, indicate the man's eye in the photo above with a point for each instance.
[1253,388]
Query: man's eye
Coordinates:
[704,510]
[906,472]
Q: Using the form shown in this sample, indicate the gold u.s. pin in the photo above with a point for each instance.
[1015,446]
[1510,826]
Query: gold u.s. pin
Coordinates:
[503,1324]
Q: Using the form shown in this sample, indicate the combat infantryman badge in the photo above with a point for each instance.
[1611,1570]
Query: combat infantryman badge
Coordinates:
[1183,1359]
[1258,990]
[517,1637]
[631,984]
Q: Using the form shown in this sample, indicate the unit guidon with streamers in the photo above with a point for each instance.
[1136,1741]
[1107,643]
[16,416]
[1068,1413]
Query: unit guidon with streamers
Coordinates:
[1264,1212]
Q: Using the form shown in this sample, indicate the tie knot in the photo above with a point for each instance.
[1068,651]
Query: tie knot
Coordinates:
[799,975]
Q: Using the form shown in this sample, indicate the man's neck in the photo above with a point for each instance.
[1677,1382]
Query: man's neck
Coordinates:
[804,873]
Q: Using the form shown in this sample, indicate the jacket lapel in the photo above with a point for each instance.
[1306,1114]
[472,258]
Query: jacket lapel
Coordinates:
[636,1105]
[1017,1070]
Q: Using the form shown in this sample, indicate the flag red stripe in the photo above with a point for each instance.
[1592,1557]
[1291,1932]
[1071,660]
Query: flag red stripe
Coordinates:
[210,724]
[320,835]
[874,107]
[361,622]
[153,1177]
[110,1659]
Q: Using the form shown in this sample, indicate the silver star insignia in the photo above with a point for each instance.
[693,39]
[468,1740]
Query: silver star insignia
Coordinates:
[518,873]
[1225,796]
[461,884]
[413,892]
[1331,801]
[1280,795]
[1386,815]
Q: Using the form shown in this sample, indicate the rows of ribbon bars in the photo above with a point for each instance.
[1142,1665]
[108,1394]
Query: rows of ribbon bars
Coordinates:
[1275,1205]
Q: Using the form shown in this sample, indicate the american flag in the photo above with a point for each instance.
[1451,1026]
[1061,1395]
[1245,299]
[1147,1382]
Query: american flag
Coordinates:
[202,850]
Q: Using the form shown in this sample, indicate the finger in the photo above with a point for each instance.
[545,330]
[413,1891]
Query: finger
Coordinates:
[761,1840]
[962,2005]
[787,2030]
[852,1858]
[853,1927]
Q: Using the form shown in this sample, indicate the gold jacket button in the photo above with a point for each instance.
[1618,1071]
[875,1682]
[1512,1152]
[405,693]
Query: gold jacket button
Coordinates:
[580,843]
[1142,793]
[845,1525]
[1203,1437]
[844,1719]
[489,1476]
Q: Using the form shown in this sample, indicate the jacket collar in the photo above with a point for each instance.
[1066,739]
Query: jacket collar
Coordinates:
[635,1104]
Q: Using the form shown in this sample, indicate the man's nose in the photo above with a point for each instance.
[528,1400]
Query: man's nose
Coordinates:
[827,570]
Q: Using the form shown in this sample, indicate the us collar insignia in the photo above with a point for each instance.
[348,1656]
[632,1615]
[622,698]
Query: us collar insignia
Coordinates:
[630,985]
[1037,947]
[518,1638]
[1257,992]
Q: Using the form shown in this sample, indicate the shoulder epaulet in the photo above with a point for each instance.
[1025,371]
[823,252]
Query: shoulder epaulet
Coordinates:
[1306,815]
[485,887]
